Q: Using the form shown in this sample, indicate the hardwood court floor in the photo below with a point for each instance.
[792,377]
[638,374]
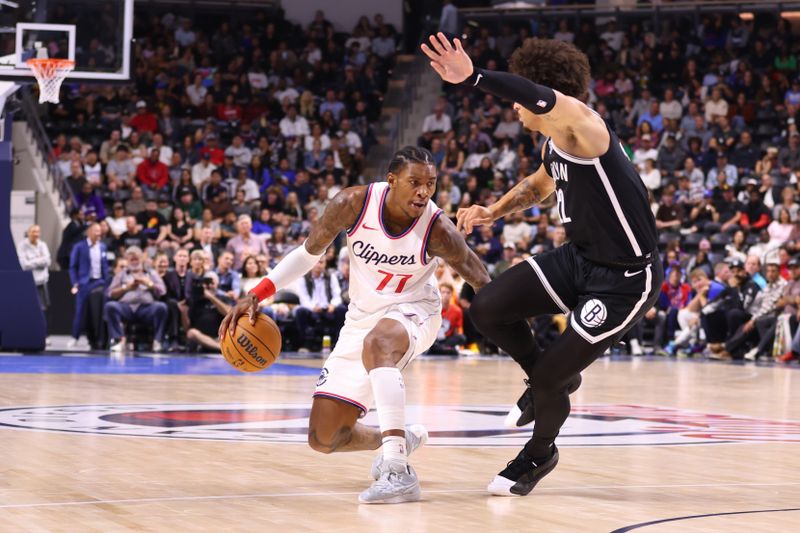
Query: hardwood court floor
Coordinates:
[649,441]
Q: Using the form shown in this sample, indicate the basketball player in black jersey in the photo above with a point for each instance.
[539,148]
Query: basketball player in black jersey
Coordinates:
[606,277]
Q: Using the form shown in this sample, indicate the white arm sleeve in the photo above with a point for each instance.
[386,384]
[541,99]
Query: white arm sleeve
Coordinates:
[294,266]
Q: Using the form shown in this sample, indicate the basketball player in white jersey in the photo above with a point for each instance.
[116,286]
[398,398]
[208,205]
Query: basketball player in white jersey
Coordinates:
[393,231]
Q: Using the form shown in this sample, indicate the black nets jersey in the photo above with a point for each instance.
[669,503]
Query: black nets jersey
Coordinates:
[603,205]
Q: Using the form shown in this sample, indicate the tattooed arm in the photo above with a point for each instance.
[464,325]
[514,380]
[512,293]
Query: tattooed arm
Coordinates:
[339,215]
[446,242]
[530,191]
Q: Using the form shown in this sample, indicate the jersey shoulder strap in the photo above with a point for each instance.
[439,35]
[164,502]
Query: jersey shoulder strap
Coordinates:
[367,199]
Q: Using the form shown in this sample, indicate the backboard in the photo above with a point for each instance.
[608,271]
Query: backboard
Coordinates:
[96,34]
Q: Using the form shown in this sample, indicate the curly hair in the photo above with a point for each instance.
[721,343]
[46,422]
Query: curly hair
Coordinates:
[555,64]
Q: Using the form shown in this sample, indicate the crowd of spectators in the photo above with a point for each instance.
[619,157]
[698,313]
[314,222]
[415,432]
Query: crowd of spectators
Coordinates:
[708,114]
[213,164]
[238,139]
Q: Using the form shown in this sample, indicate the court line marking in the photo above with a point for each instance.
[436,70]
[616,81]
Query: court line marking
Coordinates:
[709,515]
[348,493]
[15,427]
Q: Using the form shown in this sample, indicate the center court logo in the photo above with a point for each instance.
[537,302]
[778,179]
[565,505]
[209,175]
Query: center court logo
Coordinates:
[448,425]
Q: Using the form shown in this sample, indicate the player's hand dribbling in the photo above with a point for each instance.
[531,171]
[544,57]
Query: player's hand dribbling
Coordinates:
[469,217]
[246,306]
[451,63]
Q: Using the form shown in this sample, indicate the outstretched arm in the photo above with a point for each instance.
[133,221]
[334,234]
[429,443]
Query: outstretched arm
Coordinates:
[446,242]
[567,120]
[530,191]
[340,214]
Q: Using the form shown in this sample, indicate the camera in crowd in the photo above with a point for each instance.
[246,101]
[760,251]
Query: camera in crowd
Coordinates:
[199,285]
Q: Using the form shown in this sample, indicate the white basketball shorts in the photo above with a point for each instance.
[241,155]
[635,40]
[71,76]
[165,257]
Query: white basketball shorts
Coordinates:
[344,377]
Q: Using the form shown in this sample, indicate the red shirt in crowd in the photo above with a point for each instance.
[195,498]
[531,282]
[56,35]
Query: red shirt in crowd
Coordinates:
[144,122]
[154,175]
[786,272]
[674,297]
[229,112]
[217,155]
[453,319]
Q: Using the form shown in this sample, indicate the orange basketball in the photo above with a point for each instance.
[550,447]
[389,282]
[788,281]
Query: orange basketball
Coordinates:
[253,347]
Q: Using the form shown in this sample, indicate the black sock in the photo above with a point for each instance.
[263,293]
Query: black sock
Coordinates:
[539,450]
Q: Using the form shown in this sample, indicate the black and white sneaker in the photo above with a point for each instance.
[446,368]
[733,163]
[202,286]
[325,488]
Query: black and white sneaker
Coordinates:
[523,412]
[522,474]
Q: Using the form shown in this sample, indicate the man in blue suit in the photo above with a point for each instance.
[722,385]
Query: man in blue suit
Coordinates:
[88,270]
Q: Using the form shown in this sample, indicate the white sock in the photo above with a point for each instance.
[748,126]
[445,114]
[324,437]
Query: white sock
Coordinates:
[389,392]
[394,449]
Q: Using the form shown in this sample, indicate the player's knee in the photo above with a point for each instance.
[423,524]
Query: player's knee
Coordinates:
[323,440]
[316,444]
[480,311]
[376,351]
[384,347]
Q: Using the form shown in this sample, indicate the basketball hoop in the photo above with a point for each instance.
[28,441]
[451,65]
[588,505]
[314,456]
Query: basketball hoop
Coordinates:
[49,74]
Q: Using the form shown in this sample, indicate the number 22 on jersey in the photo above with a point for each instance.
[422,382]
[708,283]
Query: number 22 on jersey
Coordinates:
[388,277]
[562,210]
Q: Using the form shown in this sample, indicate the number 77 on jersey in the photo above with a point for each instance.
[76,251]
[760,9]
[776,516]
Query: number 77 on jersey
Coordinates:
[388,278]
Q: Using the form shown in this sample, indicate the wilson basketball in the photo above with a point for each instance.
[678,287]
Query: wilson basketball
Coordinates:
[253,347]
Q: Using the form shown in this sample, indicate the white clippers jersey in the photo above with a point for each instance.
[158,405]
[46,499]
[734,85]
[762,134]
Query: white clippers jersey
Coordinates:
[387,269]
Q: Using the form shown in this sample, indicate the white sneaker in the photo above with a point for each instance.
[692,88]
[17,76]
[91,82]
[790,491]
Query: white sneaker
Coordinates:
[157,347]
[751,354]
[72,344]
[636,348]
[118,346]
[416,436]
[397,483]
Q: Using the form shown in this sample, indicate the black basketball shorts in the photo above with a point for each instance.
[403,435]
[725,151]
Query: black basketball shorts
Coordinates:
[602,302]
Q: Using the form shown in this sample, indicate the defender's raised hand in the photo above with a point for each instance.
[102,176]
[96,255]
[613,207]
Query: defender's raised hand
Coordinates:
[452,64]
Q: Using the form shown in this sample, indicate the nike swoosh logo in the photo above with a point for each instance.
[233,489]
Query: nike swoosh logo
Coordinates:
[478,79]
[367,227]
[629,274]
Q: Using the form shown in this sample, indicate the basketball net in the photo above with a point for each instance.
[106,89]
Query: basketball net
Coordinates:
[49,74]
